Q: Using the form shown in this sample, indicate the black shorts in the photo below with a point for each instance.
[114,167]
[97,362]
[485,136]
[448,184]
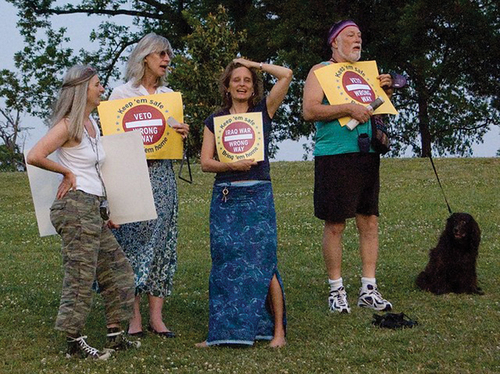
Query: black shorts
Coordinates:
[346,185]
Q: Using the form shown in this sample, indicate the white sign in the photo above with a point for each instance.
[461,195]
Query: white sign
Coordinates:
[125,175]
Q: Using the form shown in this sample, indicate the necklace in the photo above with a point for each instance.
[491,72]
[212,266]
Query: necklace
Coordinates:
[87,125]
[95,149]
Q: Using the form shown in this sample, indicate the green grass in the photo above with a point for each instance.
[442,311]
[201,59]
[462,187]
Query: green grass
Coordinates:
[456,333]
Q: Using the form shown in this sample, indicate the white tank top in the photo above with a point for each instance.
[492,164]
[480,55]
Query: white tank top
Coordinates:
[81,160]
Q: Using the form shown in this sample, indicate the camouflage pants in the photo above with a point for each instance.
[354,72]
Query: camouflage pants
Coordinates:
[89,252]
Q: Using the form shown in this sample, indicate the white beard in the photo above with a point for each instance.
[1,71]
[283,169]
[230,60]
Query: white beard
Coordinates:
[352,56]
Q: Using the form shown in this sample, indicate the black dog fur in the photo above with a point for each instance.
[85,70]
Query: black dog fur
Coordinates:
[452,264]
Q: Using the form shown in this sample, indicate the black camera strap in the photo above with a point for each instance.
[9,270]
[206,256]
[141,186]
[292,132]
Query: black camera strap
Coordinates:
[185,160]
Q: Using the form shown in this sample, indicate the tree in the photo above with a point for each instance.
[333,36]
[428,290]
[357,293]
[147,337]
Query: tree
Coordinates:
[30,91]
[210,47]
[441,47]
[162,17]
[15,94]
[454,96]
[11,157]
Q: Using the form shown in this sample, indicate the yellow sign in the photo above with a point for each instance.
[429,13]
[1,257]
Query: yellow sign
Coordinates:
[346,82]
[148,115]
[239,137]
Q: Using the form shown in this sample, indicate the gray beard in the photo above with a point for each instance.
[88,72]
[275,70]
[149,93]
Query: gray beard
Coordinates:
[352,57]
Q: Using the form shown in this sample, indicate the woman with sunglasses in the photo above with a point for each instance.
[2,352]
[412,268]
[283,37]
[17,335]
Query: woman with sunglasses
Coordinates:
[151,245]
[89,249]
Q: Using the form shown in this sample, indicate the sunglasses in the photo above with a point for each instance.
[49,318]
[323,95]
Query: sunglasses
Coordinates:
[162,54]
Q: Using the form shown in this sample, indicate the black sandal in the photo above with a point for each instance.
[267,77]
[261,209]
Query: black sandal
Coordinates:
[163,334]
[393,321]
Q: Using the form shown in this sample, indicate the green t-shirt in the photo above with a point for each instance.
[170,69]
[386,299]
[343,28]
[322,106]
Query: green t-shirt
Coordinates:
[333,139]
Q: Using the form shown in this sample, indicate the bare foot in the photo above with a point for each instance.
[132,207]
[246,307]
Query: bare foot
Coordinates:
[277,342]
[201,345]
[135,323]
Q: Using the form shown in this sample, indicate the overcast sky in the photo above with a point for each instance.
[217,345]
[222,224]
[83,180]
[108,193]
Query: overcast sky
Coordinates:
[78,29]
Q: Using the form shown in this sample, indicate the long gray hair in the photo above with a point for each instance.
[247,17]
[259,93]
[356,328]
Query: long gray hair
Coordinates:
[72,99]
[136,66]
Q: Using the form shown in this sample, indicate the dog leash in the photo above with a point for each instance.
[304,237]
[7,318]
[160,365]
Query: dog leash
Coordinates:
[442,189]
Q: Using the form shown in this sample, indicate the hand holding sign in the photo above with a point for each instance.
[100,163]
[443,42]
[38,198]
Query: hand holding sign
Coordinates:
[181,128]
[148,115]
[243,165]
[353,83]
[374,105]
[239,137]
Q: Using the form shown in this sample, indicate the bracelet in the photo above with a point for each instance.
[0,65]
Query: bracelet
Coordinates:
[260,66]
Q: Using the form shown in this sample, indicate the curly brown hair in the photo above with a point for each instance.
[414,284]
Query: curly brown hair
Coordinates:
[258,86]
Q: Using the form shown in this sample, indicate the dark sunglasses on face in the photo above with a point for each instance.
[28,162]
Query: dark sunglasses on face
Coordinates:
[162,54]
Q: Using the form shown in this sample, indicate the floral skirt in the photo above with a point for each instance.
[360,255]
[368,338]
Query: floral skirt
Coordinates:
[243,242]
[151,245]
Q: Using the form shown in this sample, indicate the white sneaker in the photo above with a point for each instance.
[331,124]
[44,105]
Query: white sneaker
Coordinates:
[79,346]
[369,297]
[337,301]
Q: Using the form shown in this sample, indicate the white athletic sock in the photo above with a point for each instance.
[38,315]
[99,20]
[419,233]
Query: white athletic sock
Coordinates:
[335,284]
[366,281]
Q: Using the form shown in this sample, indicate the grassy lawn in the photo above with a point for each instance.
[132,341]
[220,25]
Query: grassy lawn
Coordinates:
[456,333]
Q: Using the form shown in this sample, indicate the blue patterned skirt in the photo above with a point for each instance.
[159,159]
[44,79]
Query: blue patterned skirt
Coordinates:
[151,245]
[243,242]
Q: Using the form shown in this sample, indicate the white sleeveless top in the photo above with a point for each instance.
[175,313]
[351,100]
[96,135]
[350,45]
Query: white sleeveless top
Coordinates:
[81,160]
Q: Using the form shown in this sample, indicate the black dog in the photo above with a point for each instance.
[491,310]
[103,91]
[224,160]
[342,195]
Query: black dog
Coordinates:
[452,264]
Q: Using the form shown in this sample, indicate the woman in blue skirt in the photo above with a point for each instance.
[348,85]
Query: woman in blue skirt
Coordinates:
[246,292]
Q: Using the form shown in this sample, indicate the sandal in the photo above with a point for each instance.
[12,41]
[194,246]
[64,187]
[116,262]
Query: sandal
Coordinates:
[393,321]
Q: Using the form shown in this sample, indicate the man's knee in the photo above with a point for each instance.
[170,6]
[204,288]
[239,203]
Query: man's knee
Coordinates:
[367,224]
[334,228]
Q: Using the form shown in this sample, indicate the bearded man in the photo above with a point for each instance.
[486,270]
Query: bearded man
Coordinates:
[346,174]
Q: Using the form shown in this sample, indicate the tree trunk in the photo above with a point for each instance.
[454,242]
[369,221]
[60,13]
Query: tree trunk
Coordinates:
[423,124]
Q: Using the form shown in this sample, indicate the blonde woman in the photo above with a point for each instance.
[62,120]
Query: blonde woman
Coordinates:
[89,249]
